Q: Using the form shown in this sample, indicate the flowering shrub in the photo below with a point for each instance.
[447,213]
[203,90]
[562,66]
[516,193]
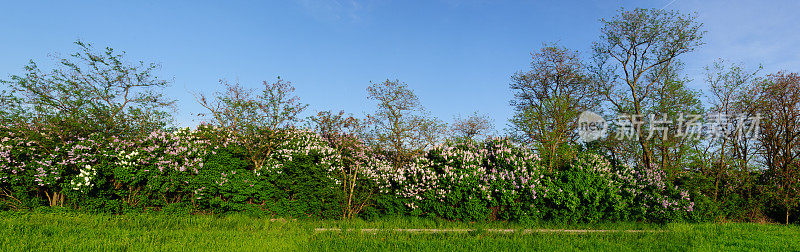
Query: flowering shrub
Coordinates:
[24,170]
[155,170]
[585,191]
[30,167]
[471,181]
[658,199]
[304,176]
[595,189]
[359,172]
[294,181]
[329,176]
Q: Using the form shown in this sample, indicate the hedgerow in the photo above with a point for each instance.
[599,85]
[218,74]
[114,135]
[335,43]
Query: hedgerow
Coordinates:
[199,171]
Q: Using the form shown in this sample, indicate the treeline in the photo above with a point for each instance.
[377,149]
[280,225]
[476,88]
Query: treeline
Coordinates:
[93,133]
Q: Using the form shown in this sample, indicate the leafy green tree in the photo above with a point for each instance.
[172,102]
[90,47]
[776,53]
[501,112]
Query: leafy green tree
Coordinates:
[89,91]
[635,54]
[673,146]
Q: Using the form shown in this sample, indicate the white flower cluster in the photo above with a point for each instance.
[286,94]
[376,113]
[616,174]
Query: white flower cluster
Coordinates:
[183,131]
[305,142]
[84,180]
[127,160]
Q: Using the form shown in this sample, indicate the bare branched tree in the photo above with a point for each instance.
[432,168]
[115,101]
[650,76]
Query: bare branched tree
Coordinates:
[732,92]
[254,120]
[548,99]
[400,125]
[343,132]
[779,105]
[473,126]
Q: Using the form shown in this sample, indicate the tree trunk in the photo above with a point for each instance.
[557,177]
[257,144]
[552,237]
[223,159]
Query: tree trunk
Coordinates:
[552,157]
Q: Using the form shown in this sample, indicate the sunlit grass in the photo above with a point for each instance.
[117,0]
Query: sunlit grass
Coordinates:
[148,232]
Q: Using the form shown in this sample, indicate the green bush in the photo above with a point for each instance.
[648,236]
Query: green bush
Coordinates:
[305,176]
[577,195]
[471,181]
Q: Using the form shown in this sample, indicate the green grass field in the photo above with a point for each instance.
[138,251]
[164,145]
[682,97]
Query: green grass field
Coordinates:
[79,232]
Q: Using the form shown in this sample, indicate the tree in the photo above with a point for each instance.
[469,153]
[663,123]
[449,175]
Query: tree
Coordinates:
[400,125]
[779,105]
[329,124]
[430,132]
[254,120]
[731,159]
[356,162]
[635,53]
[673,149]
[472,126]
[89,92]
[10,109]
[548,99]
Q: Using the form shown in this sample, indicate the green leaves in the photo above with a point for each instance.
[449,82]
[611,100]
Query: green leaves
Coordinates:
[89,92]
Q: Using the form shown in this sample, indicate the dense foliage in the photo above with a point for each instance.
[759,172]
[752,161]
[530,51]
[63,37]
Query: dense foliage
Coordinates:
[93,134]
[189,170]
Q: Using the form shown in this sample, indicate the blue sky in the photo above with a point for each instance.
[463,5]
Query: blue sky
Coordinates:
[456,55]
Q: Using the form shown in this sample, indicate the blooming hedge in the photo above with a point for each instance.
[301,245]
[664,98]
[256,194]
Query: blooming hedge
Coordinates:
[310,175]
[471,181]
[593,188]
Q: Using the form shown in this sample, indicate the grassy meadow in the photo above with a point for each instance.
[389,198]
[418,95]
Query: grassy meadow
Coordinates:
[147,232]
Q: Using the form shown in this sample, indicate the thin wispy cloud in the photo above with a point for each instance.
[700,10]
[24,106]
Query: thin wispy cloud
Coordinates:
[335,10]
[752,32]
[670,3]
